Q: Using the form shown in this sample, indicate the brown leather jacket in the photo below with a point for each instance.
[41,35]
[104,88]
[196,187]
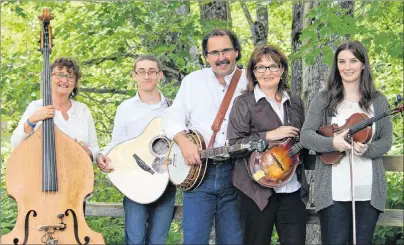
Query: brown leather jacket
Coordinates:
[250,120]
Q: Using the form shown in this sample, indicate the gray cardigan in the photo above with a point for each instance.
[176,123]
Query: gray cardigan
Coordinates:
[381,143]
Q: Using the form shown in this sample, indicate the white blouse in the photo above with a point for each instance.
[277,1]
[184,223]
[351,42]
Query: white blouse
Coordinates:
[362,167]
[80,125]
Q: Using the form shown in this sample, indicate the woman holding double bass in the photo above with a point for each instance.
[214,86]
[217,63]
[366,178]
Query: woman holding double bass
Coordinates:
[268,111]
[49,173]
[350,90]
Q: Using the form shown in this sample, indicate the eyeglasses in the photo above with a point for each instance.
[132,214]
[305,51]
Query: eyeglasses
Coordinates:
[150,73]
[217,52]
[69,77]
[263,69]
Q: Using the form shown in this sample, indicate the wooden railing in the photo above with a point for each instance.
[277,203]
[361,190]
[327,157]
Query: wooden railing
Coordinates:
[391,217]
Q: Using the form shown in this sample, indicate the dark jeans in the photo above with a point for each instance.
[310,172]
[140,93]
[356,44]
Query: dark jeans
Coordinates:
[149,223]
[285,210]
[336,223]
[215,199]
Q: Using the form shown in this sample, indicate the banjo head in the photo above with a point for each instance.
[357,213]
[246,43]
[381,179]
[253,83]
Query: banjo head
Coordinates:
[177,168]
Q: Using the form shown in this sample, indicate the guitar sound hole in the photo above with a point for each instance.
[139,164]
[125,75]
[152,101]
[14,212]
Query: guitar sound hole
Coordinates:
[160,146]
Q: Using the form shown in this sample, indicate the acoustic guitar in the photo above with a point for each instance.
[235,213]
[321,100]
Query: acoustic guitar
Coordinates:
[140,172]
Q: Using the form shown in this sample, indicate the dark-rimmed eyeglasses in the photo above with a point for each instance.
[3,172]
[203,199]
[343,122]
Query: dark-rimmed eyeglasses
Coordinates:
[262,69]
[223,51]
[60,75]
[150,73]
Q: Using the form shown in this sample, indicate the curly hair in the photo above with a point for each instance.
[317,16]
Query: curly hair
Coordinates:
[72,67]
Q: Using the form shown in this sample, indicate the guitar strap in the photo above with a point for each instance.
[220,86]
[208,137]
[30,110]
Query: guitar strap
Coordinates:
[224,106]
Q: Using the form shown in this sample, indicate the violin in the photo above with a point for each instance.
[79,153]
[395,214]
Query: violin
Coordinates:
[49,175]
[360,130]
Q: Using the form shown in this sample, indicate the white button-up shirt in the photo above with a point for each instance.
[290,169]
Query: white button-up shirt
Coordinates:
[293,185]
[197,103]
[132,117]
[79,125]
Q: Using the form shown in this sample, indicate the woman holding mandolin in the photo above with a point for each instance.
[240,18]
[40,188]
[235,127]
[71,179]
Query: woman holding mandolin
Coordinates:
[268,111]
[349,93]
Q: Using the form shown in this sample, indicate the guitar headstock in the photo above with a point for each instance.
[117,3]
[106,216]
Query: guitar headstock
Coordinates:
[259,145]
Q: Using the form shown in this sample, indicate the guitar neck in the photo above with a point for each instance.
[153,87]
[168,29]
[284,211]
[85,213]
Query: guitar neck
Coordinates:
[220,151]
[355,128]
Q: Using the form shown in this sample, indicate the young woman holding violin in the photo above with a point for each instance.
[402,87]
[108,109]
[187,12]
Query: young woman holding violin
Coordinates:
[350,90]
[268,111]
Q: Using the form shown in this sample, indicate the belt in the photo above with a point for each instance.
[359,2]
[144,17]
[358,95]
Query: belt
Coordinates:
[219,162]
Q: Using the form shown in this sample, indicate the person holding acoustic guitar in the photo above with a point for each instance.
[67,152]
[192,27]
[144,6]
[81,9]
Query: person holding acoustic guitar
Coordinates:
[72,117]
[350,90]
[195,107]
[144,223]
[268,111]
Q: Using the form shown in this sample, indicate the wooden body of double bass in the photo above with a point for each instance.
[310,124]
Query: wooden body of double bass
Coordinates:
[38,209]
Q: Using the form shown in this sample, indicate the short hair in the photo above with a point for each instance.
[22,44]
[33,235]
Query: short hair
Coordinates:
[221,32]
[277,56]
[150,57]
[72,67]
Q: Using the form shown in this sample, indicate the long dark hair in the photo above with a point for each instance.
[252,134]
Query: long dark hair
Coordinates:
[335,88]
[277,56]
[71,66]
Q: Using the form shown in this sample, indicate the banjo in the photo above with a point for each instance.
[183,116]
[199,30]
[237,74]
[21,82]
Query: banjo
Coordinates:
[189,177]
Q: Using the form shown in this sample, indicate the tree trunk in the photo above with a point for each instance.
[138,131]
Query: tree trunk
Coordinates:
[215,14]
[261,25]
[296,66]
[258,28]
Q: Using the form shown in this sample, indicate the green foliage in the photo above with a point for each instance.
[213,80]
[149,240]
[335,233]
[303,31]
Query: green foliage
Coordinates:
[106,37]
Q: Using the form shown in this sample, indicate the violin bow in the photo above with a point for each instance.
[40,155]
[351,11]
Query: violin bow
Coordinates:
[352,192]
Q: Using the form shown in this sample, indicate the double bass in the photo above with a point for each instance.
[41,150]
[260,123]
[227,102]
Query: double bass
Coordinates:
[49,175]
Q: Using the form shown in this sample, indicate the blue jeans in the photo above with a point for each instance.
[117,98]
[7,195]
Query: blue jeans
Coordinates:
[215,199]
[336,223]
[149,223]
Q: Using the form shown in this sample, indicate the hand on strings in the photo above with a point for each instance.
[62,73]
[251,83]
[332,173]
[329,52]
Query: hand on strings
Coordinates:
[189,150]
[282,132]
[42,113]
[360,148]
[339,142]
[104,163]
